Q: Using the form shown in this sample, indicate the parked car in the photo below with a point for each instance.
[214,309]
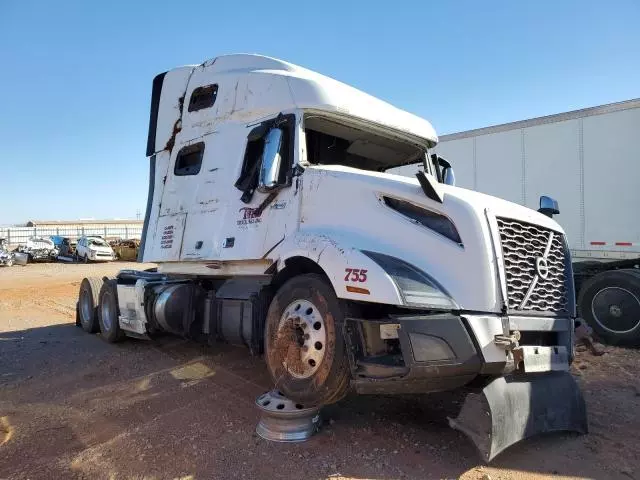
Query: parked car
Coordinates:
[93,248]
[57,240]
[39,249]
[67,247]
[126,249]
[6,257]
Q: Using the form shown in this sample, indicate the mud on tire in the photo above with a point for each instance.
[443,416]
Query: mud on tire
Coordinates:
[328,381]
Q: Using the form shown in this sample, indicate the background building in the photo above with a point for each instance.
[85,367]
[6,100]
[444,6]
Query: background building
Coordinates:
[73,229]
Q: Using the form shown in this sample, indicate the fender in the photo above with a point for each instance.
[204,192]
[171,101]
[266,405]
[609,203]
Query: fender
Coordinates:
[353,275]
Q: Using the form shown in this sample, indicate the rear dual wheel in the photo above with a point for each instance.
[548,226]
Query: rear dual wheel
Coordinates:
[98,308]
[88,300]
[108,313]
[304,345]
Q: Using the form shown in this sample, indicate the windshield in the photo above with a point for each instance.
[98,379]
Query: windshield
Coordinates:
[98,242]
[331,143]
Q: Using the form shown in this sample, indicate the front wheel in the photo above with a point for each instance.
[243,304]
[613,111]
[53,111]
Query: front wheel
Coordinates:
[610,303]
[304,345]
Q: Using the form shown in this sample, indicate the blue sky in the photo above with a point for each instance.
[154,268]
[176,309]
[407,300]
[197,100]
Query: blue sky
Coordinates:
[75,76]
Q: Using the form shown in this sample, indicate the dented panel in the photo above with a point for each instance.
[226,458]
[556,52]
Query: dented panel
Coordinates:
[353,275]
[160,170]
[170,108]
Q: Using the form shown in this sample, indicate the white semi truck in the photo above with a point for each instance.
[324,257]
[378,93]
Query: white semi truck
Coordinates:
[275,224]
[589,160]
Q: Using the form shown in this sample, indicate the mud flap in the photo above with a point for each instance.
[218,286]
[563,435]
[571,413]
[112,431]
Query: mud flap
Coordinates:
[512,408]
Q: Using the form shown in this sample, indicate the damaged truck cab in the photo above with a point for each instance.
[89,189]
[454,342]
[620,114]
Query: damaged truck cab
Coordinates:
[275,225]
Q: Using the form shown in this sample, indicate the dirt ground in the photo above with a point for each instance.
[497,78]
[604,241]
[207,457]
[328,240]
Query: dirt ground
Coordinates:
[73,406]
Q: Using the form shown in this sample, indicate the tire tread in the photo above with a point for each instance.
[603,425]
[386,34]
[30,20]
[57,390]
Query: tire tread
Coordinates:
[94,284]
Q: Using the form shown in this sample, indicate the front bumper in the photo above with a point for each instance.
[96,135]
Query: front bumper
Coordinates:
[445,351]
[105,257]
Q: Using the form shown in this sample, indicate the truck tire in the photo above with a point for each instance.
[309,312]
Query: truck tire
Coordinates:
[108,312]
[88,303]
[610,303]
[304,346]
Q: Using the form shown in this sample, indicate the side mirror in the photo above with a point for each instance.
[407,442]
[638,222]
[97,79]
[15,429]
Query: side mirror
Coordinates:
[449,176]
[271,162]
[548,206]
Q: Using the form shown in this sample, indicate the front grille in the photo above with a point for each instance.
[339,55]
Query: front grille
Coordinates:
[522,245]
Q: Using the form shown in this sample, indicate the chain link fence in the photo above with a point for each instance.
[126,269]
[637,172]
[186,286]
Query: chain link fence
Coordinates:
[18,235]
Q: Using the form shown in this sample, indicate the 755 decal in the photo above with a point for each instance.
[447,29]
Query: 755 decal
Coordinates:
[355,275]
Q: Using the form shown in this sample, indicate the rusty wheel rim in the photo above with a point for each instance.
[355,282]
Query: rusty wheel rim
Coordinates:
[302,337]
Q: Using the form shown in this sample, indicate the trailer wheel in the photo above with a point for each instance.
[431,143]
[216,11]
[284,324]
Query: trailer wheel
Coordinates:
[610,303]
[88,303]
[108,312]
[304,346]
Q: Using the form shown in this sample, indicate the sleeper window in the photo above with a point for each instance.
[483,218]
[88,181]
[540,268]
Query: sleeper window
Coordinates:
[203,97]
[189,160]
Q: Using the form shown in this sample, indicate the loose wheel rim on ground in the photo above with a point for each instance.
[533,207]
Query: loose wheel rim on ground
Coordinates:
[302,324]
[616,310]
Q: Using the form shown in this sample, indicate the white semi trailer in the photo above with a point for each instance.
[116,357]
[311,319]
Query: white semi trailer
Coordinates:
[589,160]
[275,225]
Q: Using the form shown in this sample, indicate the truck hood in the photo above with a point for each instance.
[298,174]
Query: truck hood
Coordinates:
[347,204]
[500,207]
[480,202]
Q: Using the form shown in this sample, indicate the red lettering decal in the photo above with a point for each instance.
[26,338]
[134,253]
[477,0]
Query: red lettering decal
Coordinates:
[346,277]
[363,276]
[355,275]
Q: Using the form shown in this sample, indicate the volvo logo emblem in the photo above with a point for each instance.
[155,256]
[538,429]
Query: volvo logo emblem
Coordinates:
[542,267]
[542,271]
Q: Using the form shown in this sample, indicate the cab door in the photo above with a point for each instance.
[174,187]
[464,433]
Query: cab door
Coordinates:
[259,217]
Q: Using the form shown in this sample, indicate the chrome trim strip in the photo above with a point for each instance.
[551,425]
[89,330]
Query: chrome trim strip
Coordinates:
[539,324]
[497,250]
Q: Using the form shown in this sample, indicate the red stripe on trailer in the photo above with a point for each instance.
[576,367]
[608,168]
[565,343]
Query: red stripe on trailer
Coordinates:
[624,244]
[598,243]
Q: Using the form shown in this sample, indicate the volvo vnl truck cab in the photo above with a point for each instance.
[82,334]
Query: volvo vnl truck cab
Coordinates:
[275,225]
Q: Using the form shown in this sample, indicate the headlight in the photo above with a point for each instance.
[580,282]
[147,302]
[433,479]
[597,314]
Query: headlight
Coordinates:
[434,221]
[415,286]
